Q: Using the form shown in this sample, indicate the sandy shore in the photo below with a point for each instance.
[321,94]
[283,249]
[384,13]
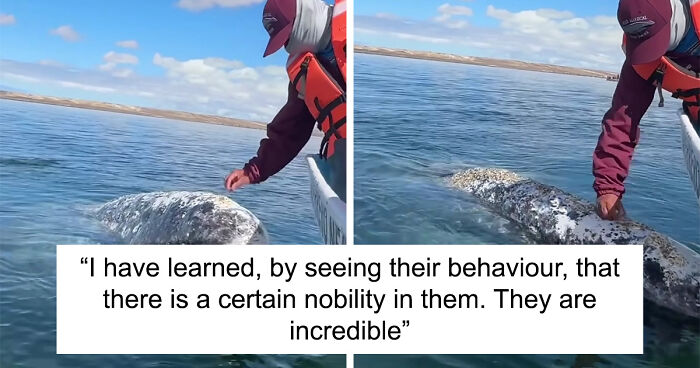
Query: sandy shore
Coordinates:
[496,63]
[133,110]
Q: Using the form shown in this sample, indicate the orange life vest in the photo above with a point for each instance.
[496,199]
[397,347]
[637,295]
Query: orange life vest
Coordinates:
[322,94]
[681,82]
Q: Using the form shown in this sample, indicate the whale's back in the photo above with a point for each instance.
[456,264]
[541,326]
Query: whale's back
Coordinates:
[181,218]
[551,216]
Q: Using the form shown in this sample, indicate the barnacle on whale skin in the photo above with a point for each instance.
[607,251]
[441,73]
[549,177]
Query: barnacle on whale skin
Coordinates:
[181,218]
[550,215]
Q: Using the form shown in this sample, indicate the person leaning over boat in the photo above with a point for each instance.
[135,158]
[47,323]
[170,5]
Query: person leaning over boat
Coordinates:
[314,35]
[662,47]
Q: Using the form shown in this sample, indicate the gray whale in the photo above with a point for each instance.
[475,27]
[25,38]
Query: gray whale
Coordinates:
[552,216]
[181,218]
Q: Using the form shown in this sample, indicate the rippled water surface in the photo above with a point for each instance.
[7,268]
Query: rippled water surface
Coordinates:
[418,121]
[56,164]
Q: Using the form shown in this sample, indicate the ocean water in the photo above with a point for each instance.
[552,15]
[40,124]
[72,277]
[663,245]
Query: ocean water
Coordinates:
[57,164]
[418,121]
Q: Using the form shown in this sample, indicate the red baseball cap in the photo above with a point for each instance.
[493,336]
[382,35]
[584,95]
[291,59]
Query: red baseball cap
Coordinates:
[278,20]
[647,28]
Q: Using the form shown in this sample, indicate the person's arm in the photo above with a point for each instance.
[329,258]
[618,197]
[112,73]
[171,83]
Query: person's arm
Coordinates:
[620,132]
[286,136]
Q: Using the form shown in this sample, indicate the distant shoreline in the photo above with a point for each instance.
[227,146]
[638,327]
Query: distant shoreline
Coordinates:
[496,63]
[132,110]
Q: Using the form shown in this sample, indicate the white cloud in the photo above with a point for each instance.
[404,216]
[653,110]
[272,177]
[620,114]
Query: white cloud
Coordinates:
[7,19]
[85,87]
[447,14]
[205,85]
[526,21]
[574,23]
[123,73]
[19,77]
[554,14]
[404,36]
[535,35]
[67,33]
[223,63]
[128,44]
[113,59]
[414,37]
[387,16]
[197,5]
[120,58]
[107,67]
[50,62]
[561,29]
[449,10]
[248,92]
[604,20]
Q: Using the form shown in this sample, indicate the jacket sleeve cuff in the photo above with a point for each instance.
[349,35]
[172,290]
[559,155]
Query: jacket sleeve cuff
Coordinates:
[252,171]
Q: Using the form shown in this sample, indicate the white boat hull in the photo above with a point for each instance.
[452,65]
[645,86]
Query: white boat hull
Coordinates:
[329,208]
[691,151]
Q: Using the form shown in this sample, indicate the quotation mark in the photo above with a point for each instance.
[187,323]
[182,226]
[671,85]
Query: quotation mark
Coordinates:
[88,260]
[405,323]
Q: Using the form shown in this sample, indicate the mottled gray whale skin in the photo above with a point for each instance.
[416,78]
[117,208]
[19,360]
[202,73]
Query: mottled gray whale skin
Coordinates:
[181,218]
[552,216]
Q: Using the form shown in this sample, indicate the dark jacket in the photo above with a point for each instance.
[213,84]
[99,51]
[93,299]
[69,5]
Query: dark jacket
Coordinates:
[620,134]
[287,133]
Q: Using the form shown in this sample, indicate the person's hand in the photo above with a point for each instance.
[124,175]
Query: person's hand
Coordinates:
[236,180]
[610,207]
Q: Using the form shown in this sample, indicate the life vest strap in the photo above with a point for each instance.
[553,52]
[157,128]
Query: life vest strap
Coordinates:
[302,72]
[686,93]
[333,130]
[333,127]
[324,111]
[657,77]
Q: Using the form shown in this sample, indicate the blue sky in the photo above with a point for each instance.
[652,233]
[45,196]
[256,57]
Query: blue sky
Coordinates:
[206,55]
[574,33]
[424,9]
[195,55]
